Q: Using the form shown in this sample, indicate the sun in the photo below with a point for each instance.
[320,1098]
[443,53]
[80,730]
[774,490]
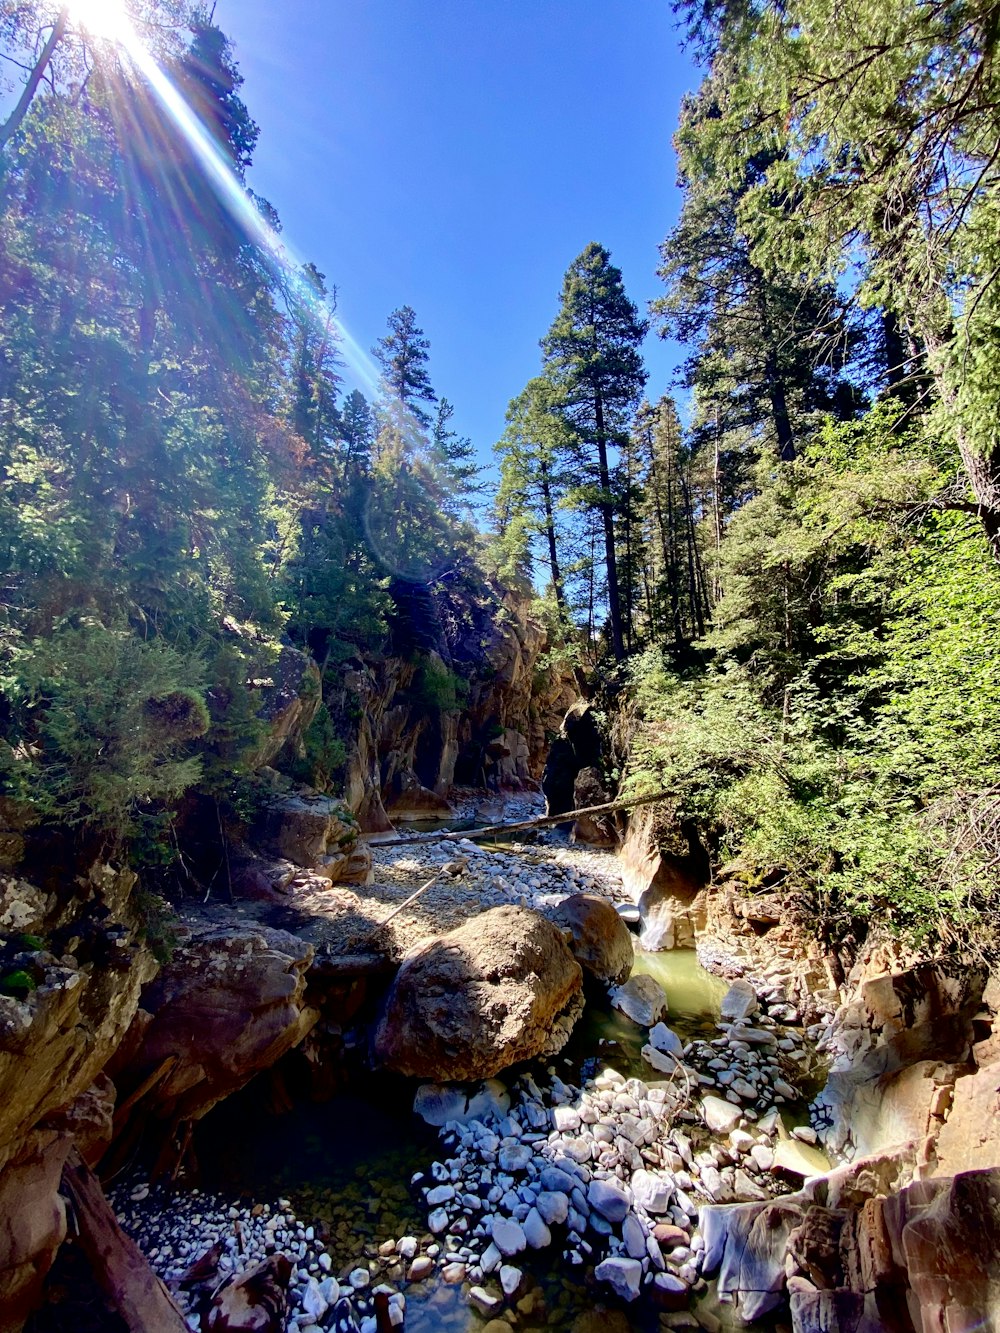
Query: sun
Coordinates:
[106,20]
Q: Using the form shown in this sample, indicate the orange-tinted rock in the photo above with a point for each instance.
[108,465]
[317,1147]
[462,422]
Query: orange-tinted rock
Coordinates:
[501,988]
[602,943]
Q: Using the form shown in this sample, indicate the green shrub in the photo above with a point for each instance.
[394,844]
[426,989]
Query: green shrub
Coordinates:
[104,721]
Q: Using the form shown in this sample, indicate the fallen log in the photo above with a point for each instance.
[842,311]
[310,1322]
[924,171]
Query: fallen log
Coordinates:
[120,1268]
[567,817]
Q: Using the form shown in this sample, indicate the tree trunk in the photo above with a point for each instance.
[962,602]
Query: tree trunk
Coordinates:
[717,515]
[608,519]
[895,352]
[779,409]
[697,616]
[119,1266]
[13,122]
[550,537]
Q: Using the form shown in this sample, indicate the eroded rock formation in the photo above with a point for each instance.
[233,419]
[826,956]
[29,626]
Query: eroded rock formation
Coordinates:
[229,1003]
[56,1037]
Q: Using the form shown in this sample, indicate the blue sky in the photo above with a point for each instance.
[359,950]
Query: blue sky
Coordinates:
[457,156]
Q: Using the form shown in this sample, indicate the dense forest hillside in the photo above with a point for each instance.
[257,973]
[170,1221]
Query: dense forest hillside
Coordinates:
[784,571]
[796,551]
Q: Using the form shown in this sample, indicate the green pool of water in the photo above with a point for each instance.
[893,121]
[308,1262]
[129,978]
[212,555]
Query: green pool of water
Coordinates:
[605,1037]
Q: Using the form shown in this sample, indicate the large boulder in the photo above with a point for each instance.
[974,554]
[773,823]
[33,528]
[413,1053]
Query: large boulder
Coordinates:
[601,943]
[642,999]
[502,987]
[317,833]
[229,1003]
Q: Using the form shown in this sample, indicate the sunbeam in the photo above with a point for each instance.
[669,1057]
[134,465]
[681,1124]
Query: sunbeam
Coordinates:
[108,20]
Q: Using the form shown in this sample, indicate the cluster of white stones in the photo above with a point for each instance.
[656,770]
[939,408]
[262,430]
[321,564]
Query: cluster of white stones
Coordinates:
[175,1229]
[523,877]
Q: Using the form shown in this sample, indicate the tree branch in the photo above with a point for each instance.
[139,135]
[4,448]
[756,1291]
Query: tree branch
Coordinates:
[13,121]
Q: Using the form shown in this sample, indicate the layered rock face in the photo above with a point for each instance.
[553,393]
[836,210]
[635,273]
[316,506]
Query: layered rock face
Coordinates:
[865,1249]
[503,987]
[406,750]
[898,1046]
[55,1040]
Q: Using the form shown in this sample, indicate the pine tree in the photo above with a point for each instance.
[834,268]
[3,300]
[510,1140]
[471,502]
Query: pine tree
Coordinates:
[402,354]
[455,457]
[767,351]
[591,356]
[531,480]
[315,368]
[357,431]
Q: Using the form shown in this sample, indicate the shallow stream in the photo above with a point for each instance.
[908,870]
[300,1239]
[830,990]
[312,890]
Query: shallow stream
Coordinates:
[346,1164]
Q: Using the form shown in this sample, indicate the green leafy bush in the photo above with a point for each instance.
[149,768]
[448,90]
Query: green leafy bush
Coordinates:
[105,724]
[845,739]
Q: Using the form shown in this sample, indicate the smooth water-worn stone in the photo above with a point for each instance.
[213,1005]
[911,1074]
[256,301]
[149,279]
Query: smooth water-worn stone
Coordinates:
[665,1039]
[553,1206]
[720,1116]
[536,1233]
[739,1001]
[490,1259]
[651,1191]
[440,1194]
[642,999]
[565,1119]
[437,1103]
[510,1279]
[799,1158]
[661,1061]
[555,1179]
[508,1236]
[634,1237]
[601,941]
[610,1200]
[516,1158]
[485,1301]
[623,1276]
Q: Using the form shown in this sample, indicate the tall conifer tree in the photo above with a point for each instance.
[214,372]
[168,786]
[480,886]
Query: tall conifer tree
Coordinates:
[591,355]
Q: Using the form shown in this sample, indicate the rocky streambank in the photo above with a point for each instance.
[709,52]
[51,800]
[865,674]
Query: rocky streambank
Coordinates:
[606,1177]
[789,1148]
[603,1176]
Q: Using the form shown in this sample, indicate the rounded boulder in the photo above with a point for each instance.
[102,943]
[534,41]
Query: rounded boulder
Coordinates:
[602,943]
[501,988]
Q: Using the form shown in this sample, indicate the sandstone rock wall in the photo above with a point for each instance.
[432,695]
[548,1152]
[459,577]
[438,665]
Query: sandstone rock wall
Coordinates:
[55,1039]
[405,753]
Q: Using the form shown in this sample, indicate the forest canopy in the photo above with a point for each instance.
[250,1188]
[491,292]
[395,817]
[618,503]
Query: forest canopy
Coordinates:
[782,571]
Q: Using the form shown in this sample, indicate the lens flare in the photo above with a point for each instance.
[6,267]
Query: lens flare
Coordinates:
[108,20]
